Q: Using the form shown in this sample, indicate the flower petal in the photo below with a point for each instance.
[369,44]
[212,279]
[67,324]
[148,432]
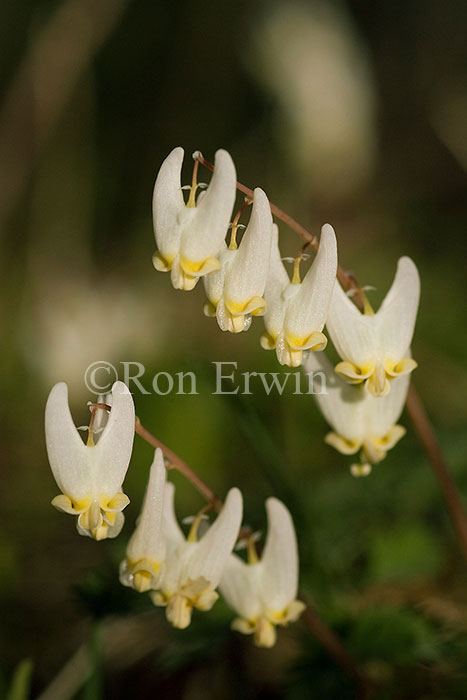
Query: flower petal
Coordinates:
[277,282]
[214,548]
[341,404]
[247,274]
[68,455]
[173,535]
[167,208]
[353,333]
[147,541]
[381,413]
[398,312]
[279,562]
[112,453]
[240,587]
[205,235]
[307,311]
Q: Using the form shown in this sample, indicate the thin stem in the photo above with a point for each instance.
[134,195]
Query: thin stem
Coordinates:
[429,441]
[415,408]
[177,463]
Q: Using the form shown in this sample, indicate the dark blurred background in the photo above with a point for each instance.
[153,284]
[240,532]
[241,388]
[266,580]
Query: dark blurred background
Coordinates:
[349,112]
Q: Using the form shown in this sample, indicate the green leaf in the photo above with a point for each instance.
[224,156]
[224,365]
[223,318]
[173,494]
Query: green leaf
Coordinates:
[21,681]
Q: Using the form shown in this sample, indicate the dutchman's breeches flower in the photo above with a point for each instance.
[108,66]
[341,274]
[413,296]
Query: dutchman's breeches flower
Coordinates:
[263,592]
[296,311]
[373,346]
[235,293]
[361,422]
[190,237]
[90,476]
[145,552]
[193,567]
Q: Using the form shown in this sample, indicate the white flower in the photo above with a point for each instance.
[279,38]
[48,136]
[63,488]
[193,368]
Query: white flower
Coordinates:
[361,422]
[296,311]
[235,292]
[264,592]
[189,237]
[193,568]
[91,476]
[373,345]
[145,552]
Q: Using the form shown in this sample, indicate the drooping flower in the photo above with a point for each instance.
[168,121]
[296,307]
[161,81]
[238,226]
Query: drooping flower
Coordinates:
[145,552]
[193,567]
[372,345]
[90,476]
[263,592]
[235,293]
[190,237]
[296,310]
[361,422]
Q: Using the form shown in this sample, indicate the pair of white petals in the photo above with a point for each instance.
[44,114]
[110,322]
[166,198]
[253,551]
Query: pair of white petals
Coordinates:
[90,476]
[181,573]
[190,237]
[373,346]
[263,593]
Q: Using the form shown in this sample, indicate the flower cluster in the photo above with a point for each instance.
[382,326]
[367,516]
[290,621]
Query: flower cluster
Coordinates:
[368,387]
[361,398]
[180,573]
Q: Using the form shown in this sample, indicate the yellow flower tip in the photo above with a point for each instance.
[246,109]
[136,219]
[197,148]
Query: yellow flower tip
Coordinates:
[63,503]
[295,358]
[239,624]
[160,263]
[209,309]
[142,581]
[178,611]
[265,634]
[351,373]
[377,386]
[404,366]
[185,282]
[100,533]
[201,267]
[359,470]
[255,306]
[115,504]
[237,324]
[295,610]
[206,600]
[267,342]
[341,444]
[314,341]
[159,599]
